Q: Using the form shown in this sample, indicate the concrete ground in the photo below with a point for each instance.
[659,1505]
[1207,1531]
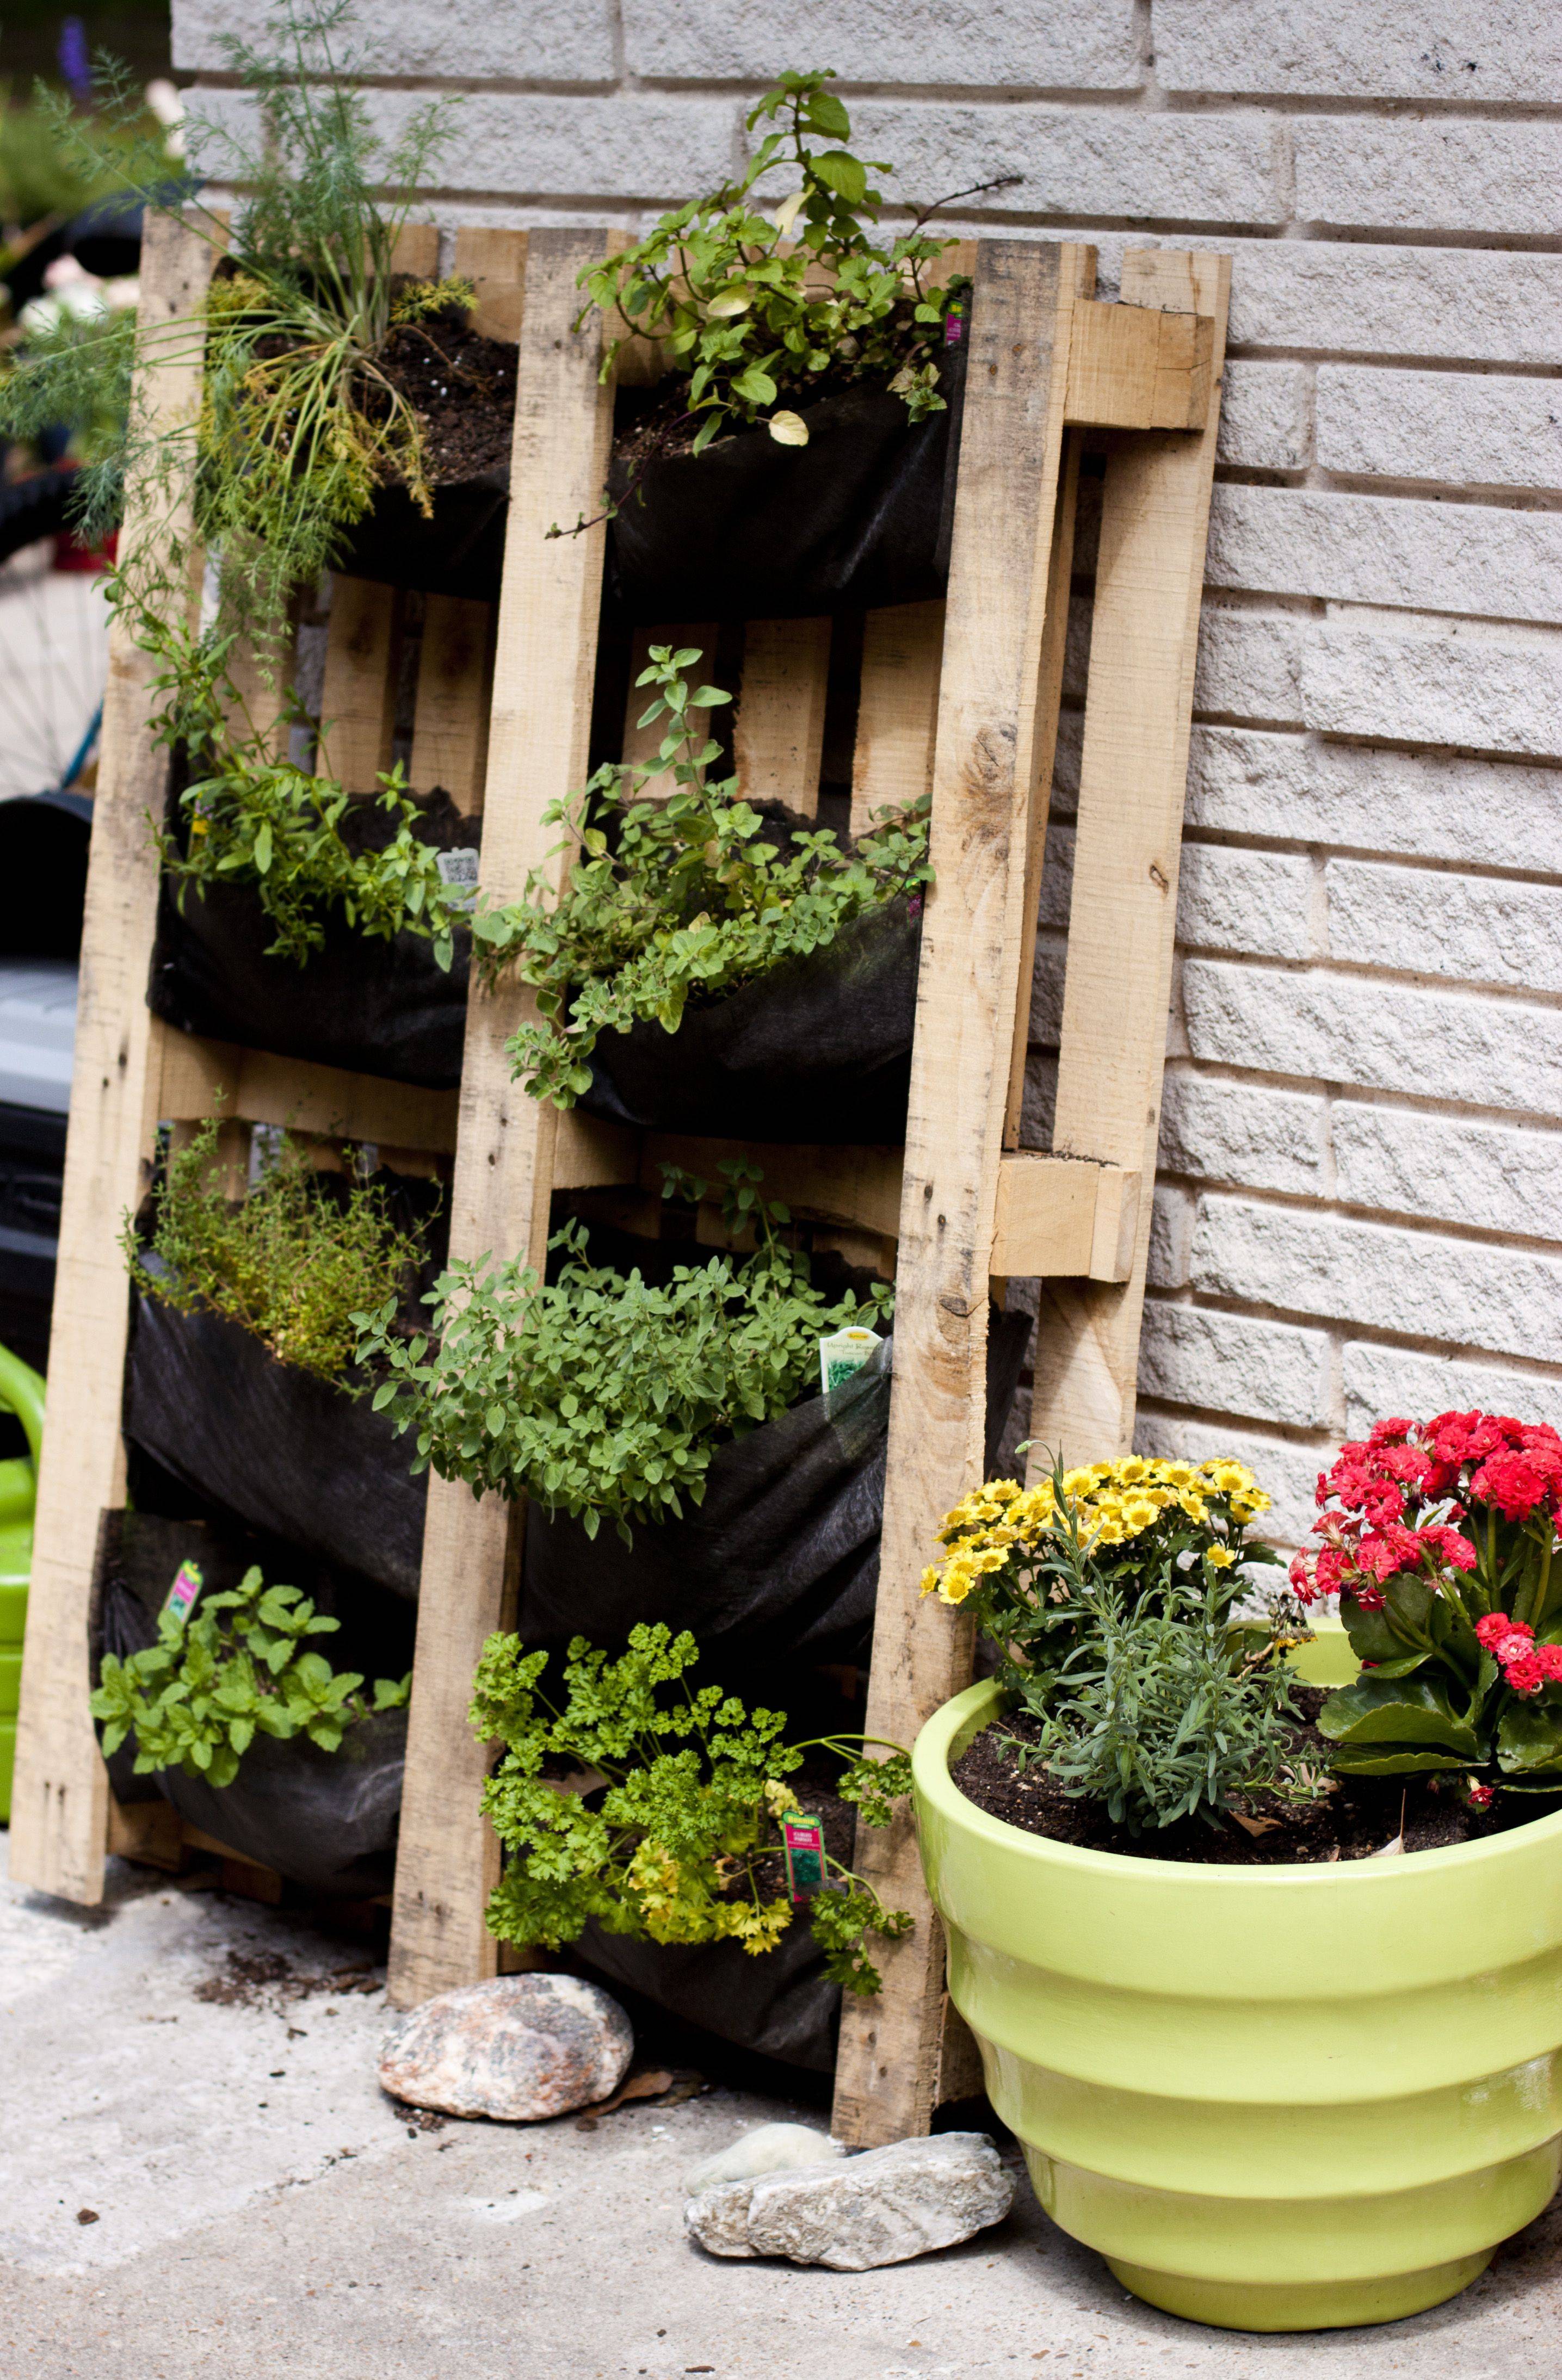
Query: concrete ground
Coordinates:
[196,2073]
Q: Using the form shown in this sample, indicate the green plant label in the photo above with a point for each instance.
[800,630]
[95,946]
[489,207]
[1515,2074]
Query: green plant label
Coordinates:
[189,1579]
[804,1840]
[842,1354]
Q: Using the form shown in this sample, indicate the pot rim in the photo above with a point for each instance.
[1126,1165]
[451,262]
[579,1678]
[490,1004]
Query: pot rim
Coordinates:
[965,1712]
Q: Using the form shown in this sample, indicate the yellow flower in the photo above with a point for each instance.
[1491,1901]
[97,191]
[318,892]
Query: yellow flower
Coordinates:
[1138,1513]
[1251,1501]
[1176,1475]
[1219,1556]
[1130,1473]
[1194,1506]
[1227,1476]
[930,1579]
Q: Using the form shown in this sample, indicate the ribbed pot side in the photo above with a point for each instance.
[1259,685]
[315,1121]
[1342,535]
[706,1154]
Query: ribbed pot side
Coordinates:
[1279,2098]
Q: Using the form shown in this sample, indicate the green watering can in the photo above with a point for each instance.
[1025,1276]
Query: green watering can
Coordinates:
[21,1391]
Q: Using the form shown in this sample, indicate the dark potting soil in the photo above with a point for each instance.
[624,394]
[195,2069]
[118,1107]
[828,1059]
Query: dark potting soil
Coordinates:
[461,386]
[1357,1819]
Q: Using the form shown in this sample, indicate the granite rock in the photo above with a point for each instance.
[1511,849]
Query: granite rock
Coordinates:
[769,2148]
[880,2208]
[520,2049]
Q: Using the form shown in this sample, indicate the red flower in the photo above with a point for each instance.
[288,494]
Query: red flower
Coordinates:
[1525,1675]
[1481,1797]
[1513,1483]
[1496,1626]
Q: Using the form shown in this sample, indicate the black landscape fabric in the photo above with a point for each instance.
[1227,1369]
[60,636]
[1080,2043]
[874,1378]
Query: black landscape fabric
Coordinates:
[371,1007]
[781,2004]
[818,1049]
[751,529]
[325,1820]
[459,552]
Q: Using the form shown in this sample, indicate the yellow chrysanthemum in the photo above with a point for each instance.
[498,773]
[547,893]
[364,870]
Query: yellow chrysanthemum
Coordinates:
[1138,1513]
[1219,1556]
[1227,1476]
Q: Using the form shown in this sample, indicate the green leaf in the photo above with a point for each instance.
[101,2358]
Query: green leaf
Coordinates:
[1414,1711]
[1529,1737]
[840,172]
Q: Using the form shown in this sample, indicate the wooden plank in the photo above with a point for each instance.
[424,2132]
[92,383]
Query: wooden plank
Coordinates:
[643,745]
[357,705]
[857,1187]
[1122,921]
[416,251]
[778,736]
[897,710]
[263,694]
[259,1088]
[1135,369]
[448,1861]
[984,769]
[60,1800]
[492,259]
[1055,644]
[1064,1215]
[450,723]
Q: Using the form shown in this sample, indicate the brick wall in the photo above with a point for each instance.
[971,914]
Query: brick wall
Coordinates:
[1360,1206]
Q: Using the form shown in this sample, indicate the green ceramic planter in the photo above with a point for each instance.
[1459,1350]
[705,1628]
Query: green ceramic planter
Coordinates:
[21,1389]
[1283,2098]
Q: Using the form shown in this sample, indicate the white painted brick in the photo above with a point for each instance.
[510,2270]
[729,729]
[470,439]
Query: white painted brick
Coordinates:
[1369,298]
[1484,429]
[1502,813]
[1009,44]
[1384,1380]
[1264,415]
[1171,1234]
[1046,992]
[639,144]
[1250,665]
[1076,649]
[567,41]
[1477,929]
[1388,549]
[1112,161]
[1228,1363]
[1242,1133]
[1448,175]
[1285,1472]
[1361,49]
[1390,1036]
[1447,1169]
[1464,685]
[1039,1106]
[1505,1300]
[1254,900]
[1057,879]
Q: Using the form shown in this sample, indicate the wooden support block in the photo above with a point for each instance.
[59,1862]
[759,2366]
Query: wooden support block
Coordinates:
[1135,368]
[416,251]
[450,723]
[1123,916]
[150,1832]
[778,738]
[60,1799]
[897,710]
[358,706]
[1064,1216]
[984,771]
[494,260]
[257,1087]
[642,746]
[448,1860]
[591,1154]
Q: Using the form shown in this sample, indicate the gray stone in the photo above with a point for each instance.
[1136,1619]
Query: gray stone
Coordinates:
[769,2148]
[520,2049]
[880,2208]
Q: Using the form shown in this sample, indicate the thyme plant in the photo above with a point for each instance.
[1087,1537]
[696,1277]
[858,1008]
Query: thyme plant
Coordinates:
[676,899]
[235,1666]
[679,1821]
[597,1394]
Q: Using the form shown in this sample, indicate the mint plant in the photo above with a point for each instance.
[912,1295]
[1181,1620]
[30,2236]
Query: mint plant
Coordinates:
[236,1666]
[677,900]
[679,1810]
[597,1394]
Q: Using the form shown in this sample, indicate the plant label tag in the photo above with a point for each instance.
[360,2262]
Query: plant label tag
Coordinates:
[804,1840]
[844,1353]
[189,1579]
[457,873]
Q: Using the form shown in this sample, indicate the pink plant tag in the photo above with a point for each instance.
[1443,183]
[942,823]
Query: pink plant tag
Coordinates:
[804,1840]
[189,1579]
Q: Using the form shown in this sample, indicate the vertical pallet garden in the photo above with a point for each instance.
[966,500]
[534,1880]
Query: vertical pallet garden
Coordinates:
[958,697]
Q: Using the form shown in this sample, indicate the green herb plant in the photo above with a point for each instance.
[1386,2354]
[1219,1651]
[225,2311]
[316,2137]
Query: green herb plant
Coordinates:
[236,1666]
[597,1394]
[668,1827]
[300,426]
[757,309]
[677,899]
[292,1262]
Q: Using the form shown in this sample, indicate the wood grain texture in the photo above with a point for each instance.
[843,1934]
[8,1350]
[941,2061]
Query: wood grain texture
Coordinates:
[1064,1215]
[256,1087]
[448,1861]
[984,769]
[1122,920]
[358,704]
[60,1804]
[492,259]
[1134,367]
[778,735]
[450,723]
[897,710]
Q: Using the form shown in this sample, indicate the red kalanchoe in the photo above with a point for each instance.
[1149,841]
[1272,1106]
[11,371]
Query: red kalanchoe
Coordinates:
[1481,1797]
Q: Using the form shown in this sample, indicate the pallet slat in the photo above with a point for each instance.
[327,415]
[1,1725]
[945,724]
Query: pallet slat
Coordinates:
[897,710]
[450,723]
[358,706]
[778,736]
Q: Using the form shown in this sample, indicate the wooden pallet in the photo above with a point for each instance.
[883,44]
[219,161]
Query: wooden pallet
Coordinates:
[959,697]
